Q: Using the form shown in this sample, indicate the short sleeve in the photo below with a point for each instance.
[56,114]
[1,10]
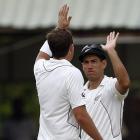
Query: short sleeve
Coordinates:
[46,49]
[75,87]
[38,68]
[115,91]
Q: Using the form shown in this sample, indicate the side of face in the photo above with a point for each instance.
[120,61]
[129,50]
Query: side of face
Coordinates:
[93,67]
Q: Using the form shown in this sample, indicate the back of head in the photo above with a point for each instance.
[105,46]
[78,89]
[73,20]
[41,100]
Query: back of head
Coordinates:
[59,41]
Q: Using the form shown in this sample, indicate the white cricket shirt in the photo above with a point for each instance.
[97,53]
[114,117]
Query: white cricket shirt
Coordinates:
[60,87]
[105,106]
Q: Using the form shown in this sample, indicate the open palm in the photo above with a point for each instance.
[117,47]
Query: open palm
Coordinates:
[111,41]
[63,18]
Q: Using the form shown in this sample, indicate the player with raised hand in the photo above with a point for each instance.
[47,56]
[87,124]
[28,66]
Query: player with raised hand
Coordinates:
[104,95]
[60,87]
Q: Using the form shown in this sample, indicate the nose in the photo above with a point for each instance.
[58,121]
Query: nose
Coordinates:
[90,66]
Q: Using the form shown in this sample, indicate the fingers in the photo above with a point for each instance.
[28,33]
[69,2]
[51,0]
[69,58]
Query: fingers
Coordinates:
[108,39]
[112,36]
[61,11]
[64,10]
[117,35]
[69,19]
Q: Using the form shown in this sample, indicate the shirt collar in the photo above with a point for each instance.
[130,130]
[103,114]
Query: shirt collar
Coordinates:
[60,61]
[103,82]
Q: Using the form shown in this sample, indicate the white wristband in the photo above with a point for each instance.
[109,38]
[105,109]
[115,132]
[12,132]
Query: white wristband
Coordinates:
[46,49]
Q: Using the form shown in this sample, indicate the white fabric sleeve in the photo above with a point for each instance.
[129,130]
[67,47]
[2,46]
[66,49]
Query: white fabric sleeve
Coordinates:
[75,89]
[115,91]
[39,69]
[46,49]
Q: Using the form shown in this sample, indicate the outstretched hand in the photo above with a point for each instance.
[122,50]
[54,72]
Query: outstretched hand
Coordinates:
[63,18]
[111,41]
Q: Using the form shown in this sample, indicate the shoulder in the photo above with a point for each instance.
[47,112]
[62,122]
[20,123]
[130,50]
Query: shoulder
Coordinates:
[74,75]
[73,71]
[38,63]
[110,86]
[109,81]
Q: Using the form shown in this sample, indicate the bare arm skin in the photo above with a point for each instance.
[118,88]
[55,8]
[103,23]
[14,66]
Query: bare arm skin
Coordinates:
[42,55]
[86,122]
[63,23]
[123,81]
[80,112]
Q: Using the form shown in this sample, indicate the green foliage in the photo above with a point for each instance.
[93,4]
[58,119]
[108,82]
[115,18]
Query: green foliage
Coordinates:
[26,92]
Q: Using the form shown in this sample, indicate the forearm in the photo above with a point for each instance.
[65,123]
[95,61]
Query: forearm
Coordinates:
[63,23]
[86,123]
[119,69]
[89,127]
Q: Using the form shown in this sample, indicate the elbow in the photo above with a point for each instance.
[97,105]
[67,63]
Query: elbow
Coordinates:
[80,119]
[125,84]
[80,114]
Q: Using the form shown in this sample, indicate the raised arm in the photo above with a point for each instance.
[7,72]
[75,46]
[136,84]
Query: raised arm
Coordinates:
[63,23]
[120,71]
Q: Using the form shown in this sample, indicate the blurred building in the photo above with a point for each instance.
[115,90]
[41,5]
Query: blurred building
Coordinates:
[24,24]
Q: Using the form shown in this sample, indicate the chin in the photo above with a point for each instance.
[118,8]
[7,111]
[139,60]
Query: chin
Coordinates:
[90,77]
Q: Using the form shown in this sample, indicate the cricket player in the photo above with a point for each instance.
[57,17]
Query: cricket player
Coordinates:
[60,88]
[104,95]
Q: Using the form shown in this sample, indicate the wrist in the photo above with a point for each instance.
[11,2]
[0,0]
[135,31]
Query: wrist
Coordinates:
[111,50]
[112,53]
[60,28]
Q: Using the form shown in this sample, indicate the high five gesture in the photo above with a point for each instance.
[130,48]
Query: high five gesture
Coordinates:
[111,41]
[63,18]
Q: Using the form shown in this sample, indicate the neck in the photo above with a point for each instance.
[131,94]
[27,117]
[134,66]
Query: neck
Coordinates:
[65,57]
[93,84]
[61,58]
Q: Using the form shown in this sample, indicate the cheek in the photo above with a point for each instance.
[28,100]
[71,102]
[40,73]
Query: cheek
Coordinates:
[85,70]
[102,67]
[99,69]
[84,67]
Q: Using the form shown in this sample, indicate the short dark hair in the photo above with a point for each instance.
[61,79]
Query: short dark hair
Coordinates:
[59,41]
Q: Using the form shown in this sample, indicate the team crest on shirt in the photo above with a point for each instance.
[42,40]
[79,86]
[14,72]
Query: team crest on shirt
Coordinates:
[83,94]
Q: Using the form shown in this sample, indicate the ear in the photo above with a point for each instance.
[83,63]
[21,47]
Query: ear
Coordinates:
[71,49]
[69,52]
[104,63]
